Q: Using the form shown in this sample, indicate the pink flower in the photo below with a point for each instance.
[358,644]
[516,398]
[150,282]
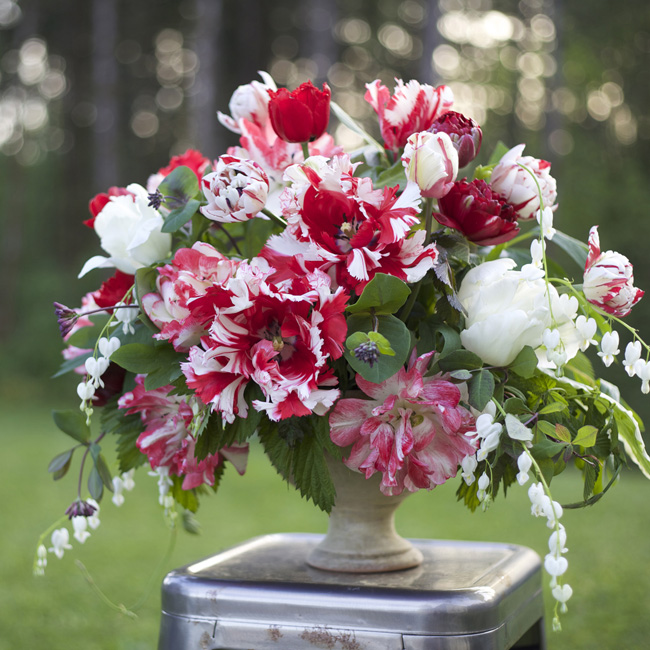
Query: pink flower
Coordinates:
[411,430]
[609,279]
[235,191]
[282,342]
[464,132]
[431,162]
[412,108]
[339,224]
[518,186]
[166,440]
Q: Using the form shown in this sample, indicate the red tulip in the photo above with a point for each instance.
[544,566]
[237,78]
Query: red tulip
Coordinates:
[301,115]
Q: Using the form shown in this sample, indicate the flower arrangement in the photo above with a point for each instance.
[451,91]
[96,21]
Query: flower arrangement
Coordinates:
[374,305]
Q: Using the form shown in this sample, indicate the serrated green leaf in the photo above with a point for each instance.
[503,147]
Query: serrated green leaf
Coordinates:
[178,217]
[95,484]
[208,441]
[553,407]
[384,294]
[460,360]
[525,363]
[60,464]
[187,499]
[481,389]
[395,332]
[586,436]
[72,422]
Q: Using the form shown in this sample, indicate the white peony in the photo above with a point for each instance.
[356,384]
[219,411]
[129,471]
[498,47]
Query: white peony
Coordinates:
[505,312]
[130,232]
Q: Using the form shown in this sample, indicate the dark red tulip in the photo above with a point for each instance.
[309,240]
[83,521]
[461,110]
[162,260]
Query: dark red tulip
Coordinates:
[464,132]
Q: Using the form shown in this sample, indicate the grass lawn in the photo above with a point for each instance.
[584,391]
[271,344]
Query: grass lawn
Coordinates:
[609,558]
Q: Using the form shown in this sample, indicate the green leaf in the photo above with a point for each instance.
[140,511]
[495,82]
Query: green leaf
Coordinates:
[72,422]
[384,294]
[70,364]
[562,433]
[461,375]
[546,448]
[525,363]
[590,474]
[586,436]
[60,464]
[516,406]
[207,442]
[397,335]
[101,466]
[553,407]
[145,282]
[546,427]
[187,499]
[190,523]
[161,363]
[481,389]
[355,340]
[460,360]
[352,124]
[181,184]
[574,248]
[498,152]
[95,484]
[180,216]
[382,343]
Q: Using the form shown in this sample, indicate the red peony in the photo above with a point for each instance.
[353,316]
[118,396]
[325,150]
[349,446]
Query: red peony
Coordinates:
[193,159]
[301,115]
[478,212]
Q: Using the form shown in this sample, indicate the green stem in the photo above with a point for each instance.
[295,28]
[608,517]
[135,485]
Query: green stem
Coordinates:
[428,226]
[305,150]
[273,217]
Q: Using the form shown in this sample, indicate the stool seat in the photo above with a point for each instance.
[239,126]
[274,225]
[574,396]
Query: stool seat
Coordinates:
[261,594]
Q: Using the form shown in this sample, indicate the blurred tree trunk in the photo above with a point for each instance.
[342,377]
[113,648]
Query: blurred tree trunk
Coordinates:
[317,44]
[105,78]
[203,103]
[430,40]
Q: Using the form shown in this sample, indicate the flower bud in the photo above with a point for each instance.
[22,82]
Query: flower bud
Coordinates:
[236,191]
[81,509]
[465,134]
[609,279]
[431,161]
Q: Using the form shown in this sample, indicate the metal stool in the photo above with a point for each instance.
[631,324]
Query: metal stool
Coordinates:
[261,595]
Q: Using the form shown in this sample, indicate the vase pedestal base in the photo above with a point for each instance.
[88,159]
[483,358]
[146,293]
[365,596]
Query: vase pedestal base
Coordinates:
[262,594]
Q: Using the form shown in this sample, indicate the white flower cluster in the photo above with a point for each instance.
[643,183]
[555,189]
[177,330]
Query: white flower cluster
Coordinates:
[60,538]
[96,367]
[555,563]
[165,483]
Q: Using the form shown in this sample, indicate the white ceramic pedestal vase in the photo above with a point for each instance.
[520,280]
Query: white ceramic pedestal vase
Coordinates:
[361,536]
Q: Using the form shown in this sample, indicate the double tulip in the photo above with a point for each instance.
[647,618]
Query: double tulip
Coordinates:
[609,279]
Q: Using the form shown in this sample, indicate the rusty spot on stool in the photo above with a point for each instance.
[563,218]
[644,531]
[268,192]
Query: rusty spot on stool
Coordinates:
[321,637]
[274,633]
[205,641]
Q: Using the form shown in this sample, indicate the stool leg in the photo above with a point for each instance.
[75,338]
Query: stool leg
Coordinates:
[533,639]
